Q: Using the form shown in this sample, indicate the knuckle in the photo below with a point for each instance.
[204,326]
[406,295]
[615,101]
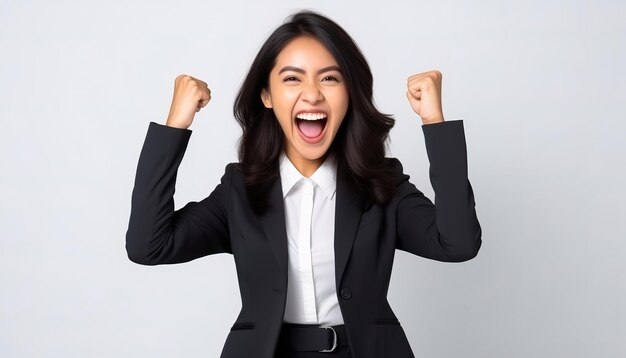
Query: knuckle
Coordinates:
[431,80]
[193,85]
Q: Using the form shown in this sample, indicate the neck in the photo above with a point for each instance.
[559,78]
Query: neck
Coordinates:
[305,166]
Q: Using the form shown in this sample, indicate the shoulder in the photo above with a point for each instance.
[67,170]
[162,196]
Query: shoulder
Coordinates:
[233,167]
[394,166]
[403,187]
[393,163]
[233,174]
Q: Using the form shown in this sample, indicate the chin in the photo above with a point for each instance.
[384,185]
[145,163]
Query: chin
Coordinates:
[313,153]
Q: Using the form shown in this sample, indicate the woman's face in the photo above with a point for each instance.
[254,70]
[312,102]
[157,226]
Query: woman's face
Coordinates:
[309,97]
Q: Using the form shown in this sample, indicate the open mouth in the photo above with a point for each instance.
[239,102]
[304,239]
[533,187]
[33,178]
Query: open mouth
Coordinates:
[311,125]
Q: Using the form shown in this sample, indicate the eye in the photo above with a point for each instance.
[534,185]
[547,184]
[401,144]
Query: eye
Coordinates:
[289,78]
[330,78]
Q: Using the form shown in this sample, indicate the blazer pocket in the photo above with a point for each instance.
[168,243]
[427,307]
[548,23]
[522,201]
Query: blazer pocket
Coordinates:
[242,325]
[387,321]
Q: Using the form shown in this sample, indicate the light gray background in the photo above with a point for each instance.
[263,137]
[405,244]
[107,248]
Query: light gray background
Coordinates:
[540,88]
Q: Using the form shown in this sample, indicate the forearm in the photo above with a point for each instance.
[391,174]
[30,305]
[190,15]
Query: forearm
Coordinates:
[152,205]
[456,219]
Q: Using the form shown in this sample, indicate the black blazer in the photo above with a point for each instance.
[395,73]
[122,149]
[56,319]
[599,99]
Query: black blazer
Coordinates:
[366,237]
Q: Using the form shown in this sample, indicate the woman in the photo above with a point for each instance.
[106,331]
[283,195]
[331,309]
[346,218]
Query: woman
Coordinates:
[313,212]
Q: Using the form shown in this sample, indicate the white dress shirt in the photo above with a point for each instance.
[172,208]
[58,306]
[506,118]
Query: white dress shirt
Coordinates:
[310,219]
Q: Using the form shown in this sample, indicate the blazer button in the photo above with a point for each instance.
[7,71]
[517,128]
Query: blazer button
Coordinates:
[346,293]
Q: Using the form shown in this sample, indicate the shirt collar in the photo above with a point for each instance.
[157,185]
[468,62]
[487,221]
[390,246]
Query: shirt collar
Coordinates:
[325,176]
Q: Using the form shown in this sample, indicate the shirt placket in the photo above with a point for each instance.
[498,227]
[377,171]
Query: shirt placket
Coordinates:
[304,252]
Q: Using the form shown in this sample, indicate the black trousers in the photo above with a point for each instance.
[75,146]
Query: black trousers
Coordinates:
[305,341]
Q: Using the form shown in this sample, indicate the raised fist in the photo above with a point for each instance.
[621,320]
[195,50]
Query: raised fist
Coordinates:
[190,95]
[424,94]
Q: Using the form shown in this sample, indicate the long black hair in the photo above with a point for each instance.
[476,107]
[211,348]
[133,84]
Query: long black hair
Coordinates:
[359,146]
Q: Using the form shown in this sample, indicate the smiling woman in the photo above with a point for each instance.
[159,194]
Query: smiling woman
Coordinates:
[309,97]
[311,65]
[313,212]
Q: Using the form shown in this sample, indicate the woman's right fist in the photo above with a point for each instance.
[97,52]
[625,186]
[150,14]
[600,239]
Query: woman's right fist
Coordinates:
[190,95]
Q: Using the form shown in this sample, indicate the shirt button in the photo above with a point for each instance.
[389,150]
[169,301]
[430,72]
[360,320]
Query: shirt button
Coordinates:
[346,293]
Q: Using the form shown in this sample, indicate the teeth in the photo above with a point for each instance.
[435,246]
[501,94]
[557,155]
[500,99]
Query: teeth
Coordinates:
[311,116]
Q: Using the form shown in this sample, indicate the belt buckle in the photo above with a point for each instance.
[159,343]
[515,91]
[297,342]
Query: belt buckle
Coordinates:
[334,339]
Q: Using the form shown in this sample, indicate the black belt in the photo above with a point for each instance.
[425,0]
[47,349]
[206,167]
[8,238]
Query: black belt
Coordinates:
[313,338]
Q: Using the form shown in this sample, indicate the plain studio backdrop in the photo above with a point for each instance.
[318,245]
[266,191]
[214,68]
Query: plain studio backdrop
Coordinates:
[540,87]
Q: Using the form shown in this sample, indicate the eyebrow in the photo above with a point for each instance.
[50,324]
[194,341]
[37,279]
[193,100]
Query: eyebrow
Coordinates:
[321,70]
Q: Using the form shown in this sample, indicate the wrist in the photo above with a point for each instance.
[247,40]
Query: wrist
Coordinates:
[432,121]
[176,124]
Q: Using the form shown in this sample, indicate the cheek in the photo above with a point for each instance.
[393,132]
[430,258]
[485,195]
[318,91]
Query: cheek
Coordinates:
[340,105]
[283,102]
[285,96]
[284,121]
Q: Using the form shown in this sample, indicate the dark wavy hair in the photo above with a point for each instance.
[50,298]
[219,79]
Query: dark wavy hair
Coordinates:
[359,145]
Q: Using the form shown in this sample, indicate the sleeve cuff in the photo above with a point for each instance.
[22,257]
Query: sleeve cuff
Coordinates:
[446,148]
[165,142]
[163,127]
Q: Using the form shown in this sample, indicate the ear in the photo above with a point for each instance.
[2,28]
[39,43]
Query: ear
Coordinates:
[266,98]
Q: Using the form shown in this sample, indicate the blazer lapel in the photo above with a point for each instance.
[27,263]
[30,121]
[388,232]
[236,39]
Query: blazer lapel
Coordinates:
[348,211]
[274,226]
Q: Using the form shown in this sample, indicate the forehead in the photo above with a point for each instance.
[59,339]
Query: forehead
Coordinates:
[305,52]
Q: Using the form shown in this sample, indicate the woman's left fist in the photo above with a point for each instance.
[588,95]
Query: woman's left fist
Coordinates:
[424,94]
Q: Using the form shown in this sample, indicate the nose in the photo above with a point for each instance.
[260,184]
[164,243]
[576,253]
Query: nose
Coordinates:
[311,93]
